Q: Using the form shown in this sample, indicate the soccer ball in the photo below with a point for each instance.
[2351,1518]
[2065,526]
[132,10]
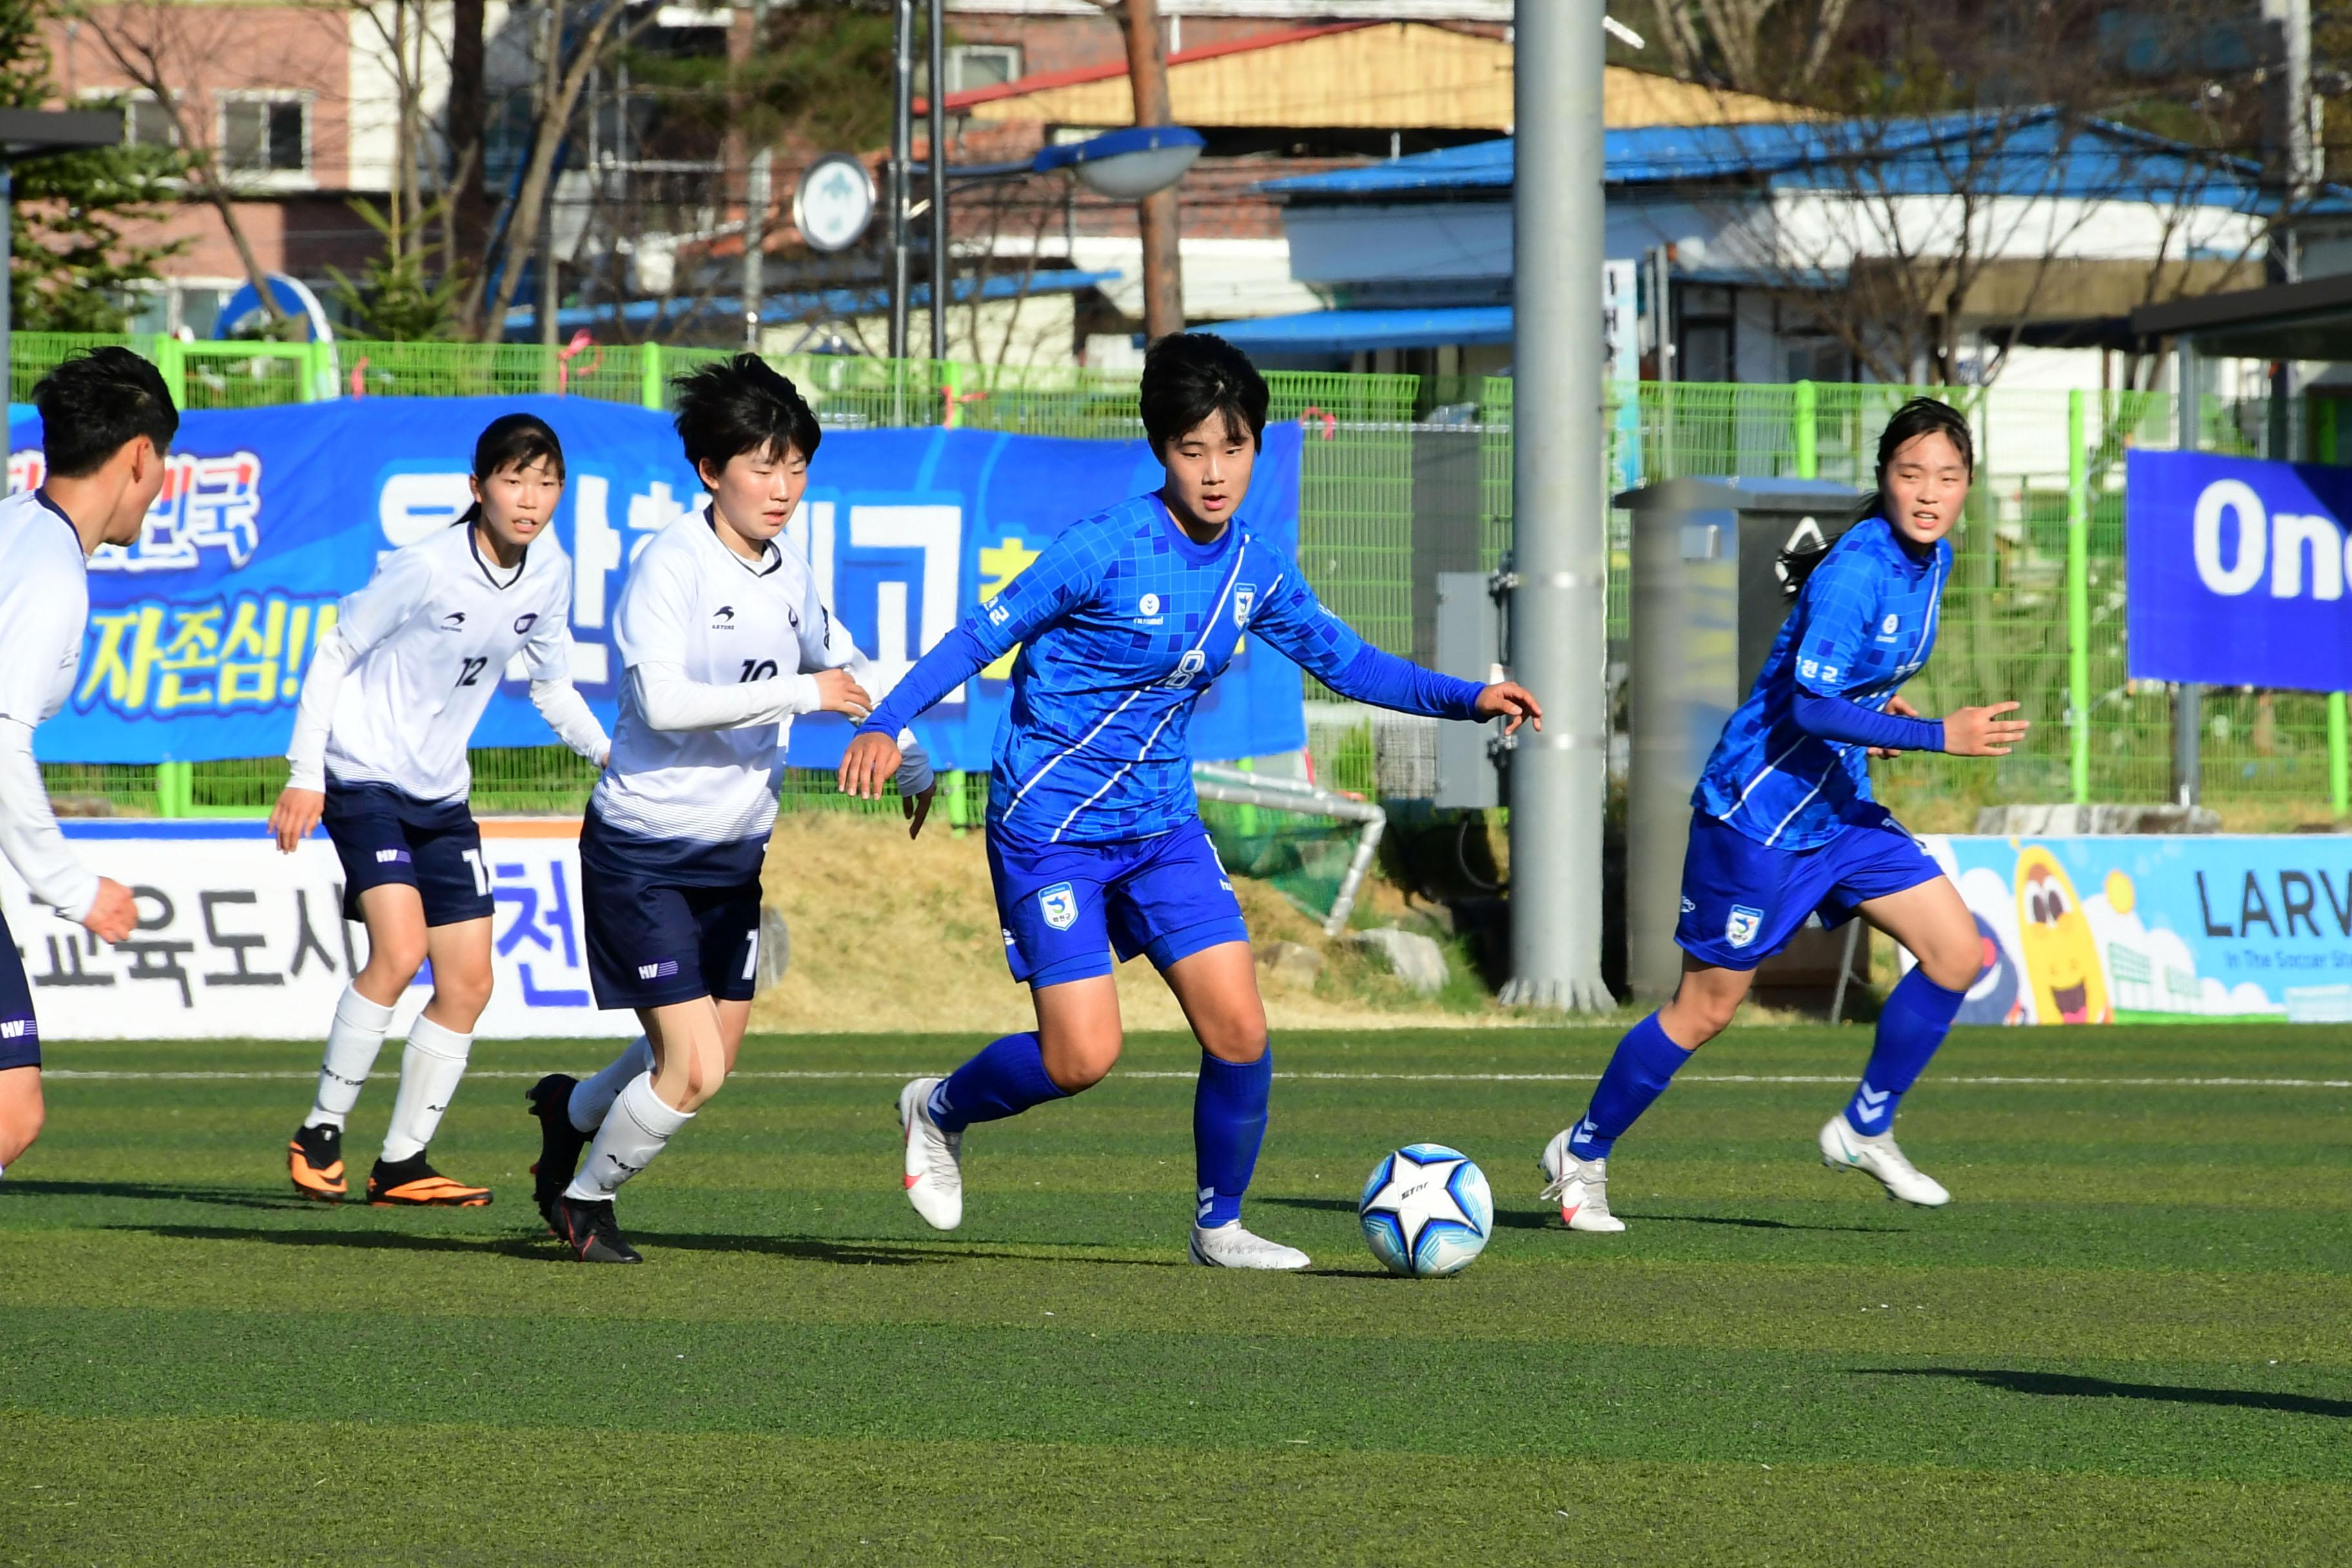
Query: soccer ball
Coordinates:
[1426,1211]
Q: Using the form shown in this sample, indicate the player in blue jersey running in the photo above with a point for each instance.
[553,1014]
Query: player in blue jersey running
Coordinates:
[1785,825]
[1095,838]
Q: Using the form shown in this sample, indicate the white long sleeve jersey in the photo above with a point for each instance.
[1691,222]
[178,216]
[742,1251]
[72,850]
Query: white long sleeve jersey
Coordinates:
[44,612]
[717,651]
[393,694]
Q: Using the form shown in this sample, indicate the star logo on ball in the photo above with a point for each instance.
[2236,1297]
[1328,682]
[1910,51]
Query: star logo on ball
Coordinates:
[1426,1210]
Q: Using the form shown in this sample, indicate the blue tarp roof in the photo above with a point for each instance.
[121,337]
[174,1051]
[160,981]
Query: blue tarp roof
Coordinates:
[1344,331]
[782,309]
[2034,153]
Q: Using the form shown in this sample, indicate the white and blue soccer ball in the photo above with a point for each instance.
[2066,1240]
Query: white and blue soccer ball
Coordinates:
[1426,1211]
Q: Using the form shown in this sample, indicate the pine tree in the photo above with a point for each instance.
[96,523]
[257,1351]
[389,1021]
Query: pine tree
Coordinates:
[73,269]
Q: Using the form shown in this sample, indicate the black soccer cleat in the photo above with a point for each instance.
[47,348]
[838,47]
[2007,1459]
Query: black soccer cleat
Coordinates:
[560,1142]
[314,1160]
[590,1231]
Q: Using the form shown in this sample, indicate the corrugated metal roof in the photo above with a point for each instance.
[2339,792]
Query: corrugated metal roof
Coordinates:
[783,308]
[2038,153]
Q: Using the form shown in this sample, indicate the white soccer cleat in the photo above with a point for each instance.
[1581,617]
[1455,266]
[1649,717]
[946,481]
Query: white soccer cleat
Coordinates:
[1580,1187]
[1231,1246]
[1843,1149]
[934,1159]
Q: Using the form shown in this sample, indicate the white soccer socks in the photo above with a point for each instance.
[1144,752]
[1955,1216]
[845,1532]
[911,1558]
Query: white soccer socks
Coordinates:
[353,1042]
[592,1098]
[641,1122]
[430,1071]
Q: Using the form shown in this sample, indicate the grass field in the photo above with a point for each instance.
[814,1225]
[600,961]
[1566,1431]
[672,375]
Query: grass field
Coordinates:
[2126,1340]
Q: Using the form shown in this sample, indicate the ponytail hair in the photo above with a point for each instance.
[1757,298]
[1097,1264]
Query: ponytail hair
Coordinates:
[1920,417]
[513,441]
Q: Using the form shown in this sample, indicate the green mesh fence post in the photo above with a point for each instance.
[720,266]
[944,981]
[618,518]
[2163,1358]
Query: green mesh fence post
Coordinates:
[951,786]
[311,377]
[2339,764]
[2078,601]
[175,788]
[1809,459]
[650,392]
[174,364]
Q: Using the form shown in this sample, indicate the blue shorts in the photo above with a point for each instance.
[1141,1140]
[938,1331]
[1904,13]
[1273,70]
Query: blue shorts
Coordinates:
[1065,906]
[20,1037]
[1742,902]
[668,919]
[383,837]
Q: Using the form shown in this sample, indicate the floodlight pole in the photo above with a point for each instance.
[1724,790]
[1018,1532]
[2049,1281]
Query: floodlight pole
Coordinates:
[902,154]
[8,323]
[936,40]
[1559,553]
[2187,696]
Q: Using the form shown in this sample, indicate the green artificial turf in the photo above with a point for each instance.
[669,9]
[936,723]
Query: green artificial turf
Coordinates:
[2126,1340]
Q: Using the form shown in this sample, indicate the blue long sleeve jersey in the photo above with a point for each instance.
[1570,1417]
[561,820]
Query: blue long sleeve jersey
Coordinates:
[1123,622]
[1864,625]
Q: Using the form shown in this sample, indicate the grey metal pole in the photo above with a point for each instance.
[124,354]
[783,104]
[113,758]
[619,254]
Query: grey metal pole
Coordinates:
[551,295]
[758,193]
[8,323]
[902,153]
[937,38]
[2187,697]
[1559,554]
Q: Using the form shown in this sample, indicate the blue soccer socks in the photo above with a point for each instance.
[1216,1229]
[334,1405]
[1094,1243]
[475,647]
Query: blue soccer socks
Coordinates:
[1228,1125]
[1646,1061]
[1004,1080]
[1917,1015]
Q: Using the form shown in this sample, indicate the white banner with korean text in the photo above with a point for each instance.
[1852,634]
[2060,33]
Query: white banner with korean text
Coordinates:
[236,941]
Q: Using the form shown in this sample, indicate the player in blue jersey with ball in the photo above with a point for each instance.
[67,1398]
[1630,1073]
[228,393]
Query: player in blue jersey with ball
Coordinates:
[1095,839]
[1785,825]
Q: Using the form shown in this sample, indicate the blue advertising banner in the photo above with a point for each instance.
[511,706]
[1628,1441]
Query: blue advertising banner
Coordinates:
[2235,570]
[199,632]
[2157,929]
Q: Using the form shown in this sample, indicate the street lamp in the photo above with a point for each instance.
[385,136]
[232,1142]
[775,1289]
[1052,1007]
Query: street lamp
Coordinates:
[35,134]
[1126,165]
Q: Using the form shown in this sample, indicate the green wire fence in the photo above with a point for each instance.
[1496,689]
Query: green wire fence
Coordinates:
[1403,476]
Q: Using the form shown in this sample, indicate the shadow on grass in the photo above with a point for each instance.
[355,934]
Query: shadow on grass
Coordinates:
[540,1247]
[1545,1219]
[2068,1386]
[227,1198]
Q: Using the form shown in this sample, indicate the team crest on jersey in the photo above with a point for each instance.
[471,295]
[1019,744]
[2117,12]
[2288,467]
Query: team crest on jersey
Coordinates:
[722,619]
[523,623]
[1888,627]
[1244,600]
[1059,905]
[1148,605]
[1741,928]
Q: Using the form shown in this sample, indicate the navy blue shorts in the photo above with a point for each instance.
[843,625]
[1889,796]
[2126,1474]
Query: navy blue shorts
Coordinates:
[382,835]
[20,1037]
[1742,902]
[1065,906]
[667,919]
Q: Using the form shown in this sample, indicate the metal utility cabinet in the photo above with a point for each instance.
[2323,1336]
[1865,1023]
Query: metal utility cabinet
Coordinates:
[1706,604]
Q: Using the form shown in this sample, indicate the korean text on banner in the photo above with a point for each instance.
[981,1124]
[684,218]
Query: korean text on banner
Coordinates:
[200,631]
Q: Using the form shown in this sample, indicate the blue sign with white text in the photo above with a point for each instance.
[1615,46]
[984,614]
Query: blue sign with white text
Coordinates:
[2236,570]
[200,631]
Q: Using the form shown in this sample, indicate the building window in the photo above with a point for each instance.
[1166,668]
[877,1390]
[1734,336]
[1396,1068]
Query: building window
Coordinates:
[982,65]
[146,121]
[1709,331]
[264,135]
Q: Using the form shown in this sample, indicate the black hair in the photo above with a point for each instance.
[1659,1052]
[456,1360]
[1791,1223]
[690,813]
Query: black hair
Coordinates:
[1920,417]
[96,403]
[740,404]
[513,441]
[1188,376]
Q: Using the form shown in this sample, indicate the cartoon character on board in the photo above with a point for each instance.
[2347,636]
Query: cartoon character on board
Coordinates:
[2061,955]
